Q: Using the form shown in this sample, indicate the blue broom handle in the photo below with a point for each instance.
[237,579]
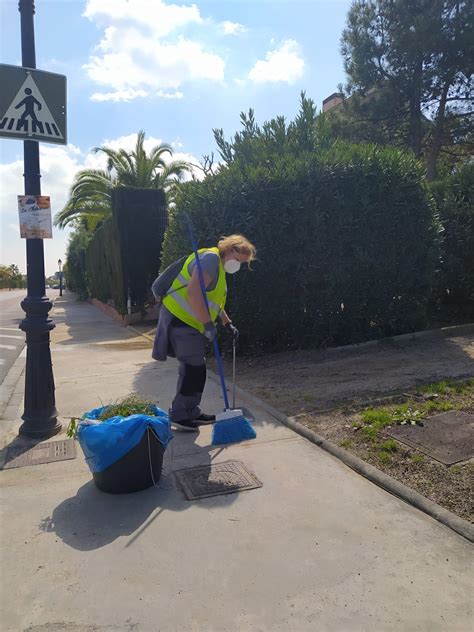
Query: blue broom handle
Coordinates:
[220,368]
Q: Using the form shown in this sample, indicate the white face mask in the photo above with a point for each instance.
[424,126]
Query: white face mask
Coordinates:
[231,266]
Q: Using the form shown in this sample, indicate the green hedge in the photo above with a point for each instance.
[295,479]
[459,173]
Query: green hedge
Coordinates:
[454,197]
[123,257]
[141,218]
[346,245]
[105,275]
[75,266]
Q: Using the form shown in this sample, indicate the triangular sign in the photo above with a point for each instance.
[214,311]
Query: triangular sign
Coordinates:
[28,112]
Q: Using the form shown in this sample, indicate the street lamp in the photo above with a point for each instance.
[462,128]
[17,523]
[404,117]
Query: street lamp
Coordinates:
[60,263]
[40,414]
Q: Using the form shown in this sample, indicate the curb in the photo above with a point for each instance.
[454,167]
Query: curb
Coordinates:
[386,482]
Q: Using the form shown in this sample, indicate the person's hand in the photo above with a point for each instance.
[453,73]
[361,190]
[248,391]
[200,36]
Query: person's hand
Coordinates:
[232,330]
[210,331]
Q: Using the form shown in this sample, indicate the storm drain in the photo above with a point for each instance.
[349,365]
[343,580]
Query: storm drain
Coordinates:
[216,479]
[18,456]
[447,437]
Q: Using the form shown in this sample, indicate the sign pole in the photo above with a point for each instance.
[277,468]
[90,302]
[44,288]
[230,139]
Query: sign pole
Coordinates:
[40,415]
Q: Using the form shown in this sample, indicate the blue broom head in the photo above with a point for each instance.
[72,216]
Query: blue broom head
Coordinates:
[232,430]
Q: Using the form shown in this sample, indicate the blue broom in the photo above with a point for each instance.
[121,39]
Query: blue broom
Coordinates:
[230,426]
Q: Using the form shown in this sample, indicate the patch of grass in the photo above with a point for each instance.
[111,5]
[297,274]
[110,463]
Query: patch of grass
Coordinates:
[377,416]
[455,469]
[390,445]
[385,457]
[370,432]
[413,412]
[447,387]
[375,419]
[346,443]
[434,405]
[418,458]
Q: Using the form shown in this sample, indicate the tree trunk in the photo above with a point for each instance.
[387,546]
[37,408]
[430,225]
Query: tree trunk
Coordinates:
[415,111]
[438,131]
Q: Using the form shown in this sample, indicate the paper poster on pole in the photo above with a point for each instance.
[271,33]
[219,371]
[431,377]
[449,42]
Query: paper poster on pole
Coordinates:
[35,217]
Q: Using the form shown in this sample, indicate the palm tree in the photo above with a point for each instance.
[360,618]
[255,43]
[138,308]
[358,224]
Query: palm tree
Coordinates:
[91,192]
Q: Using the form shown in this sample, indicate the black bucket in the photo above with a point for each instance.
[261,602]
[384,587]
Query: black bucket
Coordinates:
[133,472]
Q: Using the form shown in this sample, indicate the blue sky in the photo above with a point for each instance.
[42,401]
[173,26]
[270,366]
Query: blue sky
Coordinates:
[176,70]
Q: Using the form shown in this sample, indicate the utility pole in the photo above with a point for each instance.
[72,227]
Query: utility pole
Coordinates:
[40,415]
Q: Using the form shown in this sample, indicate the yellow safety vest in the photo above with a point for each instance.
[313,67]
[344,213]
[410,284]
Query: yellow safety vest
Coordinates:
[176,299]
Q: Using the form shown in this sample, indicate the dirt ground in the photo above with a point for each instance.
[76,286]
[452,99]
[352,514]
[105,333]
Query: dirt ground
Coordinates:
[302,381]
[327,389]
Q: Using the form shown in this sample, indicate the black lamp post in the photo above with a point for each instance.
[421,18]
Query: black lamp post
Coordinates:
[60,263]
[40,415]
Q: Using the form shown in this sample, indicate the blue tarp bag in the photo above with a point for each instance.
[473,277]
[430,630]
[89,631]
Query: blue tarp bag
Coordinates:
[105,442]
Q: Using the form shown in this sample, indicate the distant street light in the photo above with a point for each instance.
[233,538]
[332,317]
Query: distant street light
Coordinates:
[60,263]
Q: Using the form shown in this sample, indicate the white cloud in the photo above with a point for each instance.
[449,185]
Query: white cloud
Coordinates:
[58,168]
[118,95]
[156,15]
[232,28]
[284,64]
[170,95]
[144,52]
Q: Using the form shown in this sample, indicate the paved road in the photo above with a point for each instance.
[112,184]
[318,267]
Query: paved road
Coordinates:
[12,339]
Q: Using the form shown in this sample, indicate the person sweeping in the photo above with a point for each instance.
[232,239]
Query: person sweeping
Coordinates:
[185,322]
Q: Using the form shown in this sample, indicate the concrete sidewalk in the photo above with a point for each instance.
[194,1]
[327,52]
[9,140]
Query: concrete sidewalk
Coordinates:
[316,548]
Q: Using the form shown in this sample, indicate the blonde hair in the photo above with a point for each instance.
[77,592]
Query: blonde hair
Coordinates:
[240,244]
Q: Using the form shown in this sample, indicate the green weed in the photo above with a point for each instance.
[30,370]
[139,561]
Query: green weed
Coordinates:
[72,428]
[376,419]
[408,413]
[434,405]
[390,445]
[346,443]
[447,387]
[377,416]
[370,432]
[417,458]
[131,405]
[385,457]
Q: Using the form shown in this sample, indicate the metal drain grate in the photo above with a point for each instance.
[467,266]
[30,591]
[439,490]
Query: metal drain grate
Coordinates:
[19,456]
[216,479]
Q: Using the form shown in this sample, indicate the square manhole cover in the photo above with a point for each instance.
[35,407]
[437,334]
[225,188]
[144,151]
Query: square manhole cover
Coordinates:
[19,456]
[448,437]
[216,479]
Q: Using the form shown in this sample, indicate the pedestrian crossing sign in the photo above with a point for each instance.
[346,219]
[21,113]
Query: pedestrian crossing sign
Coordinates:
[32,105]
